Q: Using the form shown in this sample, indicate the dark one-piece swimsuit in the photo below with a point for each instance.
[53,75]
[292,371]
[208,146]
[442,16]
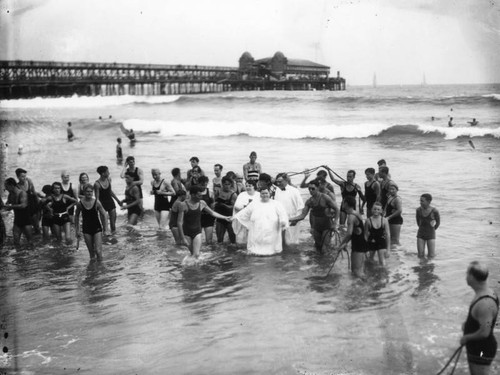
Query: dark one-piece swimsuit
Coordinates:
[90,218]
[482,351]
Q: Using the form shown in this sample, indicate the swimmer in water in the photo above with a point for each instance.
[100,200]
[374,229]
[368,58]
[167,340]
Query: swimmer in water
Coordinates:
[474,122]
[71,136]
[450,122]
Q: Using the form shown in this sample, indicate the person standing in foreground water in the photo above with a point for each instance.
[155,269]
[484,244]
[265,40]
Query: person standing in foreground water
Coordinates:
[428,220]
[18,201]
[478,335]
[189,220]
[91,225]
[71,136]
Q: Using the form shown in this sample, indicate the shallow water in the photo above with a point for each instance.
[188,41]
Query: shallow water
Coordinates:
[142,311]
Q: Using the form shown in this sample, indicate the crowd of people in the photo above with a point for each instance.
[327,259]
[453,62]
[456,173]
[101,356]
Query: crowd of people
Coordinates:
[253,209]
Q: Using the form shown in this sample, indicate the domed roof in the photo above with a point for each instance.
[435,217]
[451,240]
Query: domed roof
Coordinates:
[246,55]
[279,55]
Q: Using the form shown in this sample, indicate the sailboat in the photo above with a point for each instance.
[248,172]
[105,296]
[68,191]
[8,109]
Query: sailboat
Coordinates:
[424,82]
[374,80]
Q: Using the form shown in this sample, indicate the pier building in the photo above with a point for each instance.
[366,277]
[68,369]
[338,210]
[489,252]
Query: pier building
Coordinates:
[25,79]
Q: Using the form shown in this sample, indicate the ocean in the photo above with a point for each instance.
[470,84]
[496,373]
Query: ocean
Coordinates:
[141,311]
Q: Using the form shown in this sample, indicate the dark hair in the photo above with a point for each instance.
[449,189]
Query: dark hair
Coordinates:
[314,182]
[219,165]
[19,171]
[283,175]
[265,177]
[118,139]
[196,169]
[226,179]
[195,189]
[10,182]
[203,180]
[381,161]
[352,171]
[129,158]
[195,158]
[384,170]
[231,175]
[81,175]
[181,192]
[47,189]
[252,182]
[350,201]
[102,169]
[253,153]
[479,272]
[321,173]
[427,197]
[176,172]
[370,170]
[57,183]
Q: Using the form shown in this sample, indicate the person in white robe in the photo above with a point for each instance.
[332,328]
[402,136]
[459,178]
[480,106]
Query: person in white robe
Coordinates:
[265,219]
[243,200]
[290,198]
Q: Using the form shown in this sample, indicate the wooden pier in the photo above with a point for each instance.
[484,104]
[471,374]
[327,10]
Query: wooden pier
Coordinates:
[28,79]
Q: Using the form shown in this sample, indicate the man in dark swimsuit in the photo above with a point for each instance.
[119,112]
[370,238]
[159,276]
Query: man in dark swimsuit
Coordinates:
[224,206]
[18,201]
[372,191]
[322,224]
[478,335]
[137,173]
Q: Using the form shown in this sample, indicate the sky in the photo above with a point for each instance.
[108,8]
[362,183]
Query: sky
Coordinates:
[447,41]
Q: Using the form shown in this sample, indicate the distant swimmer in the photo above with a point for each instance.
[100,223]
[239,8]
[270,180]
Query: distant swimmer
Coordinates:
[71,136]
[20,150]
[131,135]
[450,122]
[119,153]
[474,122]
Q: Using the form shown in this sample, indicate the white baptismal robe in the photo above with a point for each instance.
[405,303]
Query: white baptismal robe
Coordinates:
[265,222]
[292,201]
[242,201]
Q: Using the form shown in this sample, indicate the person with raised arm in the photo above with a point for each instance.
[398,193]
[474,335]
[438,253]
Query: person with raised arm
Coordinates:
[348,188]
[161,189]
[428,221]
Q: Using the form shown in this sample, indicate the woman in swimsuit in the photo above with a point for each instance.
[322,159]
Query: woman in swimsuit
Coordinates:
[377,234]
[355,234]
[174,215]
[207,220]
[189,220]
[348,188]
[393,211]
[90,208]
[428,220]
[82,180]
[105,195]
[61,203]
[161,190]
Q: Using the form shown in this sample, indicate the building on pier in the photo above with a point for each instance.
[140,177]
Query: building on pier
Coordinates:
[23,79]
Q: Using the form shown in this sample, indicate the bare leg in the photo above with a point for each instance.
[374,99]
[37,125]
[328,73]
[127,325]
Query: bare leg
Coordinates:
[358,263]
[431,248]
[208,234]
[158,218]
[133,219]
[175,233]
[196,246]
[112,220]
[395,231]
[56,229]
[98,245]
[67,232]
[90,244]
[381,257]
[421,247]
[163,219]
